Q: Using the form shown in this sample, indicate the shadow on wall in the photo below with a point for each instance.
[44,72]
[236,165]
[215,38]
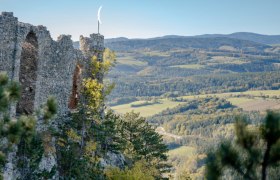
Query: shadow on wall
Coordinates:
[28,74]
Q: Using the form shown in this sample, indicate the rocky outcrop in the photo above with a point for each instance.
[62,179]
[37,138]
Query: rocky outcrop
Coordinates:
[113,160]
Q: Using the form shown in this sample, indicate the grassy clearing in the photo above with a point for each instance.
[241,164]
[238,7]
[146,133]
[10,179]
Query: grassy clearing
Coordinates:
[189,66]
[226,60]
[148,110]
[240,101]
[156,53]
[228,48]
[264,92]
[206,95]
[248,104]
[129,60]
[258,93]
[253,103]
[183,151]
[259,105]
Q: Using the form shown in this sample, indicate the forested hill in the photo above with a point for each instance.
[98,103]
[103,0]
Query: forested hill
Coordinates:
[156,66]
[260,38]
[173,42]
[238,39]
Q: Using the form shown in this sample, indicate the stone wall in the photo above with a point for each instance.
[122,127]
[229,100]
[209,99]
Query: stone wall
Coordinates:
[28,74]
[44,68]
[53,73]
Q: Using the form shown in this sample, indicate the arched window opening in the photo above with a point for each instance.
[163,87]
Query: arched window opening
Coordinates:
[74,98]
[28,74]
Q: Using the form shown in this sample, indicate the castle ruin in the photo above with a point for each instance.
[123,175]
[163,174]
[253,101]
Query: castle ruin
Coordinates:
[42,66]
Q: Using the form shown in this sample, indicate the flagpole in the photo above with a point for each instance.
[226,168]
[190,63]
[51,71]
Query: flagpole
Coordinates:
[98,19]
[98,26]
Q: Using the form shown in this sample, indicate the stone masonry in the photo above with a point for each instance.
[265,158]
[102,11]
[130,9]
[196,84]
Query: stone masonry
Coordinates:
[44,67]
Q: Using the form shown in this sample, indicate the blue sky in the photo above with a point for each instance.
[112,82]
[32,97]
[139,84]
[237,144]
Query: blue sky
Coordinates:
[148,18]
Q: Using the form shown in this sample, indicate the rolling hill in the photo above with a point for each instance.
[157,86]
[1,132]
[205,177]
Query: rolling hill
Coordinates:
[238,39]
[259,38]
[168,43]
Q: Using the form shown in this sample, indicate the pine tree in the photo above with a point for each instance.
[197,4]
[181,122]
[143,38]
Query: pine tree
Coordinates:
[17,130]
[254,153]
[143,142]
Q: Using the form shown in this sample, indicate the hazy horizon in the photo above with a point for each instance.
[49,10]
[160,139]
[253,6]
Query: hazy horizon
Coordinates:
[192,35]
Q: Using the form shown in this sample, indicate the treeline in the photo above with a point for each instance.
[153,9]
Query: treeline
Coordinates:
[253,66]
[165,44]
[123,100]
[146,103]
[206,105]
[139,87]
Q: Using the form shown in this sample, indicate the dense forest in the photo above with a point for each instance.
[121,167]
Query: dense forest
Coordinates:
[230,66]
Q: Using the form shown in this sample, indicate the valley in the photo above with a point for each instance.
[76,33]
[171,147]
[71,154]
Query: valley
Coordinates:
[139,90]
[261,100]
[192,90]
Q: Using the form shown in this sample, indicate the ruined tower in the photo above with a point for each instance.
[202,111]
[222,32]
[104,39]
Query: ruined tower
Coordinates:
[42,66]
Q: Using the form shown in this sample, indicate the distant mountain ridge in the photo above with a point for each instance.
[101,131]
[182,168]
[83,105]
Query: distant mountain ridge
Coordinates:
[259,38]
[168,43]
[251,38]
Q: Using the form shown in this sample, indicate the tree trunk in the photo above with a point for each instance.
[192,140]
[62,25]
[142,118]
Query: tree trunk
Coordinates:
[265,161]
